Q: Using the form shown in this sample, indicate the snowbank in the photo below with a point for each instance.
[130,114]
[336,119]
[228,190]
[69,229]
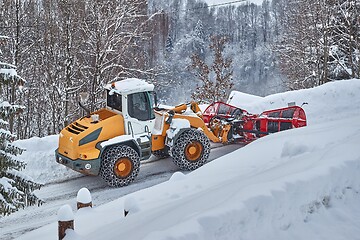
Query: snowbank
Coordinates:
[40,159]
[280,192]
[239,98]
[331,101]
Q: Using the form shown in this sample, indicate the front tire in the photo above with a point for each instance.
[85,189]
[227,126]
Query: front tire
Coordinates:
[120,164]
[190,150]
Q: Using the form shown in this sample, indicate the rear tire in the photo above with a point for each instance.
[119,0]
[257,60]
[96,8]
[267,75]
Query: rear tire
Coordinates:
[190,150]
[120,164]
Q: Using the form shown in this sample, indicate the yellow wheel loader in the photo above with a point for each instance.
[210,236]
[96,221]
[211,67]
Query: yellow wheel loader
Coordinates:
[112,141]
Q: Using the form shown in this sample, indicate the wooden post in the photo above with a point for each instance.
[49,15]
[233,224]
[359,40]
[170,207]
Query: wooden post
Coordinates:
[65,220]
[83,205]
[63,226]
[83,198]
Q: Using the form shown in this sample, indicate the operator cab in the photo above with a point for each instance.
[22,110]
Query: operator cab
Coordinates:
[139,105]
[134,99]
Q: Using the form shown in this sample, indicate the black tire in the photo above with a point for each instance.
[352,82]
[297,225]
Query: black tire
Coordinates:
[190,150]
[160,154]
[120,164]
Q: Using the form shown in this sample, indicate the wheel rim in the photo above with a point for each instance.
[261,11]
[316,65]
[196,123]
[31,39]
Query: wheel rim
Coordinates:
[123,167]
[193,151]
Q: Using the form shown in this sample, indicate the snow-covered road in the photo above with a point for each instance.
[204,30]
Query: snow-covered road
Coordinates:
[56,194]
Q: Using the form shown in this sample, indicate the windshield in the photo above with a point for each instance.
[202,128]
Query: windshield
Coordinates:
[140,106]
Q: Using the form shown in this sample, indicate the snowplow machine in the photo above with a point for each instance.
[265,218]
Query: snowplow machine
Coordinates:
[112,141]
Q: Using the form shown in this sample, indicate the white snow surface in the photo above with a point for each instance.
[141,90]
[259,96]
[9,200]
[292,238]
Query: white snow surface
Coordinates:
[131,205]
[239,98]
[130,85]
[297,184]
[331,101]
[115,140]
[83,196]
[65,213]
[176,125]
[10,72]
[40,159]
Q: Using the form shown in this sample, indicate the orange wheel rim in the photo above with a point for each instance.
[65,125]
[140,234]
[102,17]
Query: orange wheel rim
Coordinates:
[123,167]
[193,151]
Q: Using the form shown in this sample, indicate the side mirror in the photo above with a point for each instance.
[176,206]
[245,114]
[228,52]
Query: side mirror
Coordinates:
[155,100]
[84,97]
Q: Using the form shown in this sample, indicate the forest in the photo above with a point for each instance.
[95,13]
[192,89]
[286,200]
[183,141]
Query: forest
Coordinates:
[60,48]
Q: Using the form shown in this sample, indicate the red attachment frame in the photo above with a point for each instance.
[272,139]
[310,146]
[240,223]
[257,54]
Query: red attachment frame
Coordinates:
[249,127]
[220,109]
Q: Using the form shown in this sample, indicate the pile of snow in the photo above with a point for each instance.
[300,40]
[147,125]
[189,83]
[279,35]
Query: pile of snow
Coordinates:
[331,101]
[10,72]
[298,184]
[241,99]
[65,213]
[40,160]
[83,196]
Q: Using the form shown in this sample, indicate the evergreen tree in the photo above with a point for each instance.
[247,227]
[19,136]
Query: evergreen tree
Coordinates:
[199,40]
[199,30]
[16,189]
[169,46]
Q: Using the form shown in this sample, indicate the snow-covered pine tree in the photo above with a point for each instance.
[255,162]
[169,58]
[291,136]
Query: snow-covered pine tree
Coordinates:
[169,46]
[199,30]
[216,86]
[16,189]
[199,40]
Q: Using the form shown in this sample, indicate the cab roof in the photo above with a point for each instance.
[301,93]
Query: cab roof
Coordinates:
[129,86]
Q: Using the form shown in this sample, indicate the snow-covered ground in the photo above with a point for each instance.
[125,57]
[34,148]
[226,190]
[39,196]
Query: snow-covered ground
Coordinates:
[40,159]
[297,184]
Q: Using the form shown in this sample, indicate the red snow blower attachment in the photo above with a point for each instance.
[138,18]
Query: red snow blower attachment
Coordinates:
[246,127]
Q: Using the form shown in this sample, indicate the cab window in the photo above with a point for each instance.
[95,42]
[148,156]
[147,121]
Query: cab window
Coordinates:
[140,106]
[114,101]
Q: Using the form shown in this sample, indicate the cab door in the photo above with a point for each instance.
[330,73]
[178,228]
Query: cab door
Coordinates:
[140,116]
